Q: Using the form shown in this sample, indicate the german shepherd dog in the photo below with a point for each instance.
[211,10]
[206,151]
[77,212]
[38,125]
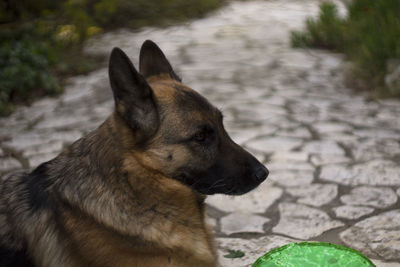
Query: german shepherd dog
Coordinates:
[131,192]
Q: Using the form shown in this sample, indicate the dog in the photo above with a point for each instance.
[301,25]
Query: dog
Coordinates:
[131,192]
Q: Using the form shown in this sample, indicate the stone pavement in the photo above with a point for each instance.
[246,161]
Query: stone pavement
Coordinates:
[334,156]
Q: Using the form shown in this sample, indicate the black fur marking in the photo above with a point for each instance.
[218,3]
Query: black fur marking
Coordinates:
[14,258]
[134,98]
[152,61]
[37,183]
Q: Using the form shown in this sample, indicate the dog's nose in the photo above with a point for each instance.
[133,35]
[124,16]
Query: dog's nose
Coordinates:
[261,174]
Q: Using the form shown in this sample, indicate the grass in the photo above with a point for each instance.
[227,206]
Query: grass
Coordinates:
[368,36]
[232,254]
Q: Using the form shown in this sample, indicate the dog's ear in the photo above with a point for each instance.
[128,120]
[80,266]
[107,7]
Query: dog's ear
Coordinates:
[134,99]
[152,61]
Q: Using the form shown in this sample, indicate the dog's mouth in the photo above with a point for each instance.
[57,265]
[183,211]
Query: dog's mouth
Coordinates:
[227,186]
[219,187]
[240,190]
[204,186]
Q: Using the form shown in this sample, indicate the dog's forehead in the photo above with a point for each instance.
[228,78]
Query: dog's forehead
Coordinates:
[170,94]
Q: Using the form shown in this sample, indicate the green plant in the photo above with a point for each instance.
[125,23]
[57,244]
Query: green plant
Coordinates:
[232,254]
[325,32]
[41,40]
[368,36]
[23,67]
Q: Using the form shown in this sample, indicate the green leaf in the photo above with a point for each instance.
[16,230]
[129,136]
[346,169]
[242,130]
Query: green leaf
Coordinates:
[234,254]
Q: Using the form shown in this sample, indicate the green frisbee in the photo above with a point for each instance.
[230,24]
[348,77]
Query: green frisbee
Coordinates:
[313,254]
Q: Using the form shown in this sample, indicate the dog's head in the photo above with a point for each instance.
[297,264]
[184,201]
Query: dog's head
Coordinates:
[176,131]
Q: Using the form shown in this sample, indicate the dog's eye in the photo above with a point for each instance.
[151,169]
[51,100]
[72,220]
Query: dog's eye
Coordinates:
[204,136]
[200,136]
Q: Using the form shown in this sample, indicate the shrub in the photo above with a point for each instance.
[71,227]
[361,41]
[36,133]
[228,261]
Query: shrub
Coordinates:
[325,32]
[24,66]
[368,36]
[40,40]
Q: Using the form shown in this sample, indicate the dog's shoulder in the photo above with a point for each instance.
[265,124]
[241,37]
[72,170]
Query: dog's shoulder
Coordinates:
[22,195]
[12,250]
[28,189]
